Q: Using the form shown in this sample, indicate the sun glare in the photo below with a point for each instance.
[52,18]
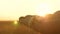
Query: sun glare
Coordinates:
[15,22]
[42,13]
[43,9]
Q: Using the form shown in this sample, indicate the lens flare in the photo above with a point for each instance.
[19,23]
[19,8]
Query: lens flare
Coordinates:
[15,22]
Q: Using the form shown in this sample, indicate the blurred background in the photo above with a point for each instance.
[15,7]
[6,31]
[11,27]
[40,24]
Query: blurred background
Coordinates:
[29,16]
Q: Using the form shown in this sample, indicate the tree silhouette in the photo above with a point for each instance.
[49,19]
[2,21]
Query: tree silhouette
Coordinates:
[32,21]
[53,23]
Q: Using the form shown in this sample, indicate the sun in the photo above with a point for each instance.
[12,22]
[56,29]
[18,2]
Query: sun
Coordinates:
[43,9]
[42,13]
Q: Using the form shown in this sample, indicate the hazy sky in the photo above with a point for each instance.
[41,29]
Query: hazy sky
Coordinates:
[13,9]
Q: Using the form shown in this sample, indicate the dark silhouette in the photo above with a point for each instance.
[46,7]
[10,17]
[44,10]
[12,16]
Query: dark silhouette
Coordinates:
[32,21]
[45,25]
[52,25]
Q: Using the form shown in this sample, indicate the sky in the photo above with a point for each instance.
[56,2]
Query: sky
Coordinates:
[13,9]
